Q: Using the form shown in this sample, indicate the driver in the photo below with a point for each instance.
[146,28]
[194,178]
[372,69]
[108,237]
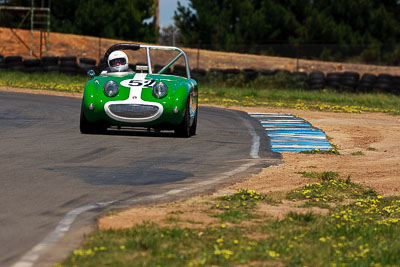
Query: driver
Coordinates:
[117,62]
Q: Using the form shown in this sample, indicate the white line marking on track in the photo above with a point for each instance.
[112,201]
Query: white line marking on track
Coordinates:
[255,146]
[30,258]
[62,228]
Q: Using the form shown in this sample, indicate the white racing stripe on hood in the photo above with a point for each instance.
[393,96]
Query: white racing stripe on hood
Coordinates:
[136,86]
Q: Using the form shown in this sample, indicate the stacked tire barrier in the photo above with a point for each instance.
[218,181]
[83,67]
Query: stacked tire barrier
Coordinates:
[316,80]
[50,64]
[68,65]
[14,63]
[2,63]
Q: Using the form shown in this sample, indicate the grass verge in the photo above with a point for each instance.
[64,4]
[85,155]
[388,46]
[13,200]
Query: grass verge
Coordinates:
[362,233]
[280,91]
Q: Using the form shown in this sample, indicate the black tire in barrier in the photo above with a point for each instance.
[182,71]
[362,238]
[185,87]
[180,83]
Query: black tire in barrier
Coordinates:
[364,87]
[68,65]
[383,87]
[384,83]
[396,85]
[230,73]
[50,61]
[33,65]
[32,62]
[250,74]
[366,83]
[281,72]
[198,73]
[11,59]
[333,80]
[300,75]
[266,72]
[349,80]
[14,63]
[179,70]
[67,59]
[368,77]
[316,85]
[3,66]
[316,75]
[88,61]
[216,72]
[316,80]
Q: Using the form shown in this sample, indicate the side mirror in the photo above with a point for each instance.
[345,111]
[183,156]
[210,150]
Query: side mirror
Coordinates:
[91,73]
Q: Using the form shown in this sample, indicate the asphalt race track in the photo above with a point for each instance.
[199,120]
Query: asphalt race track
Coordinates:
[48,168]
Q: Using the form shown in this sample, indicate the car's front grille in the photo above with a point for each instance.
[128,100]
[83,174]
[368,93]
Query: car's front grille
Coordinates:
[133,110]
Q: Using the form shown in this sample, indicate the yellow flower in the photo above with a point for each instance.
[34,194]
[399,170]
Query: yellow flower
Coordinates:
[273,254]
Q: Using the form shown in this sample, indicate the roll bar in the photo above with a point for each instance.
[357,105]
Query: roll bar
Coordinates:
[126,46]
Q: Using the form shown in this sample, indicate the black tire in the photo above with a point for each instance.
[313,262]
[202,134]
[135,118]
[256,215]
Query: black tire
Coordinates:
[33,65]
[216,73]
[384,87]
[51,68]
[88,61]
[87,127]
[250,74]
[3,66]
[364,87]
[316,86]
[353,75]
[301,76]
[266,72]
[179,70]
[49,61]
[32,62]
[349,84]
[183,129]
[193,128]
[230,73]
[67,59]
[11,59]
[198,73]
[317,75]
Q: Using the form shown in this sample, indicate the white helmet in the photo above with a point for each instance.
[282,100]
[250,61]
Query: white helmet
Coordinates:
[118,61]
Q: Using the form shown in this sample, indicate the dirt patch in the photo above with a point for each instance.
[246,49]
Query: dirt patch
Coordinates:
[94,47]
[376,135]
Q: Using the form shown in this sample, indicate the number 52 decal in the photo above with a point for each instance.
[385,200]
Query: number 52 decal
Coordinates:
[138,83]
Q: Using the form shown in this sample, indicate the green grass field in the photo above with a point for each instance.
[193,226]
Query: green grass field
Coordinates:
[279,91]
[362,233]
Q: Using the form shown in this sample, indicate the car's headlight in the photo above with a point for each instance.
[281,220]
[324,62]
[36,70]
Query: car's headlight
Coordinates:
[111,88]
[160,90]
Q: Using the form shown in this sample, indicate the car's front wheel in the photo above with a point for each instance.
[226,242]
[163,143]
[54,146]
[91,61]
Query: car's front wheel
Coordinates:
[193,128]
[87,127]
[183,129]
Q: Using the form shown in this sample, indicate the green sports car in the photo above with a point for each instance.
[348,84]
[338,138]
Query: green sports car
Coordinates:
[120,97]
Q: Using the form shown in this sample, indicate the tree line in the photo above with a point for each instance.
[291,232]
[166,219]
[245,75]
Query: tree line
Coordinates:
[117,19]
[351,30]
[366,30]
